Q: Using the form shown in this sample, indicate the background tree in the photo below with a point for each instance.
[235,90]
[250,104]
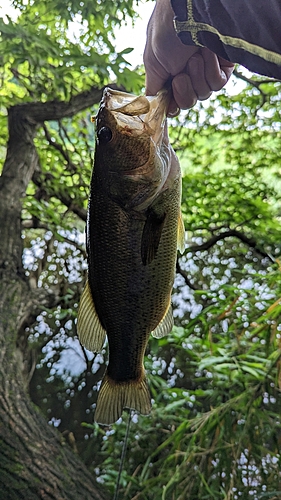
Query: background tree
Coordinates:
[49,76]
[214,431]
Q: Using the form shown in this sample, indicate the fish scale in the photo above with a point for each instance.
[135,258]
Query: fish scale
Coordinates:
[133,229]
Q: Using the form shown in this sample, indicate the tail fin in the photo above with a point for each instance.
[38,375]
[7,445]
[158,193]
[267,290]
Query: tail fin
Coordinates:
[114,396]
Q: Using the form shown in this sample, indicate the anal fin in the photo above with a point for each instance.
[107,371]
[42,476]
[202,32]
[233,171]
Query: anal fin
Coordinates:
[89,329]
[165,325]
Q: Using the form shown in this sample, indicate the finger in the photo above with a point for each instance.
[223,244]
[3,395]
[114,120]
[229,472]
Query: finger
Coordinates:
[184,94]
[173,109]
[155,73]
[153,82]
[196,70]
[227,67]
[215,76]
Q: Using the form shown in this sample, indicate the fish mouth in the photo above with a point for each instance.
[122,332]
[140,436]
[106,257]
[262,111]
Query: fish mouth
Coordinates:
[135,115]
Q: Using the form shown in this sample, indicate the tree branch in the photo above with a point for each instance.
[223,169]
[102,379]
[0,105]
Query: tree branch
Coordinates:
[255,83]
[22,164]
[185,277]
[63,197]
[59,148]
[227,234]
[39,112]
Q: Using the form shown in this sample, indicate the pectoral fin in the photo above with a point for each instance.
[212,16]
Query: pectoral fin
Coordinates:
[151,236]
[90,331]
[181,233]
[165,325]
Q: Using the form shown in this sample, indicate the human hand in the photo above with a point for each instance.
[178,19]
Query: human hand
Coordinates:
[194,71]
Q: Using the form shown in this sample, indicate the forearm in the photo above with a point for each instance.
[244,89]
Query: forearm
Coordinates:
[243,31]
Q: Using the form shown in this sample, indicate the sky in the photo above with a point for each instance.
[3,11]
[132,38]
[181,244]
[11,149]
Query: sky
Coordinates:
[135,36]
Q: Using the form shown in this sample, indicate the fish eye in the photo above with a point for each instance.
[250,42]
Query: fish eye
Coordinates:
[104,135]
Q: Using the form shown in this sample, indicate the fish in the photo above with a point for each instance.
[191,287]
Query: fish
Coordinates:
[134,228]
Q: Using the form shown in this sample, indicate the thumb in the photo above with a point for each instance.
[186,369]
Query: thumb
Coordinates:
[154,83]
[155,74]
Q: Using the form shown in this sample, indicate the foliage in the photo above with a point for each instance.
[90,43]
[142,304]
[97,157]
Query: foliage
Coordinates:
[215,425]
[54,49]
[214,431]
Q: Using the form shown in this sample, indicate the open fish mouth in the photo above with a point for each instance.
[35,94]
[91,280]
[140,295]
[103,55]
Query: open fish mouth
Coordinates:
[136,115]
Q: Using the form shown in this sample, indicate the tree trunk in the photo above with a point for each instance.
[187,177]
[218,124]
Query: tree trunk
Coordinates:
[35,462]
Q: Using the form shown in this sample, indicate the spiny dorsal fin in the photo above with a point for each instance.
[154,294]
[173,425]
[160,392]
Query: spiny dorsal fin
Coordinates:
[165,325]
[181,233]
[151,236]
[114,396]
[89,329]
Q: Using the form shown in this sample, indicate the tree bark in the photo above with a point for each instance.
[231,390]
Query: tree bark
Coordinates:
[35,462]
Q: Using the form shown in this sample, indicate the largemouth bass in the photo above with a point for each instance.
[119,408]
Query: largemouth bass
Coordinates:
[134,226]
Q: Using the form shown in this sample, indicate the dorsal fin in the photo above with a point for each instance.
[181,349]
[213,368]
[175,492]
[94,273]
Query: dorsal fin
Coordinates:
[89,329]
[166,324]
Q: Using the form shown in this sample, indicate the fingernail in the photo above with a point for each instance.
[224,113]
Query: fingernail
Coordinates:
[174,113]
